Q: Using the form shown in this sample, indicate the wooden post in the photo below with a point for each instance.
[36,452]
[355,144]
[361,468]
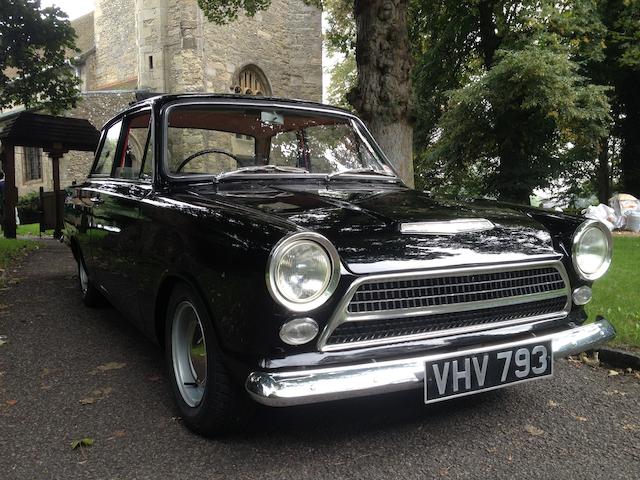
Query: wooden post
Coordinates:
[10,191]
[55,159]
[56,151]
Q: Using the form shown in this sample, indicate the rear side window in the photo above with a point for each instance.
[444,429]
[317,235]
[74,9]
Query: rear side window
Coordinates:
[106,157]
[136,142]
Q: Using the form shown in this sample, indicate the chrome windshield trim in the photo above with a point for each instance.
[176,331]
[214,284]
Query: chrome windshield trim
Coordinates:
[354,121]
[341,315]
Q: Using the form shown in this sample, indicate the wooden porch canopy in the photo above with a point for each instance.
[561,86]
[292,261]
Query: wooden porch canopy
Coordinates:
[56,136]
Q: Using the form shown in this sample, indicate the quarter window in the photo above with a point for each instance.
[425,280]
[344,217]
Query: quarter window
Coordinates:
[131,160]
[106,157]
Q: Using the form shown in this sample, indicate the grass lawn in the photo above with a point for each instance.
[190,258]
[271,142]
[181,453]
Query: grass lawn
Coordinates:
[33,229]
[617,295]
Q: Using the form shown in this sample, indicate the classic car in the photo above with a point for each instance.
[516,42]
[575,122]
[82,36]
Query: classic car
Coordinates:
[271,250]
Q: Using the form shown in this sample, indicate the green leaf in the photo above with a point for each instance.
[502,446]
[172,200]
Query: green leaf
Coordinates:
[83,442]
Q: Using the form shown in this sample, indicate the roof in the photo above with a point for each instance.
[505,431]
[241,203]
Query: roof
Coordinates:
[48,132]
[85,35]
[165,98]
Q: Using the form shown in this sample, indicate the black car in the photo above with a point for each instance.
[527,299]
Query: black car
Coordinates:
[269,247]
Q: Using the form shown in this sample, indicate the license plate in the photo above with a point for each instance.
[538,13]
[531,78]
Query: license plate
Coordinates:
[456,375]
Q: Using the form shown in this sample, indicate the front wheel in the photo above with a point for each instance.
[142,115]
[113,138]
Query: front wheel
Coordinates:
[91,297]
[208,400]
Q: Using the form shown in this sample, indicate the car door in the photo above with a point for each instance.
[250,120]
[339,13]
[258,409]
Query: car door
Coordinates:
[116,232]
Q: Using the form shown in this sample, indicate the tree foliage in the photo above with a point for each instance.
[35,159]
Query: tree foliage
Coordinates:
[509,130]
[503,105]
[620,69]
[509,95]
[33,45]
[226,11]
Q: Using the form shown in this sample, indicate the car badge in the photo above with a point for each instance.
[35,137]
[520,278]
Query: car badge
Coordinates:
[447,227]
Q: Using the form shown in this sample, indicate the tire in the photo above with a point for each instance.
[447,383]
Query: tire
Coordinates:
[208,400]
[91,296]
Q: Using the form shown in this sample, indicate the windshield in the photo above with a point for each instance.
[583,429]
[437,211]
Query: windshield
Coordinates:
[222,140]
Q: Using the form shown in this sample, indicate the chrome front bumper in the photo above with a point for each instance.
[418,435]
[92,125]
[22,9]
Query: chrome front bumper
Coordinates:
[315,385]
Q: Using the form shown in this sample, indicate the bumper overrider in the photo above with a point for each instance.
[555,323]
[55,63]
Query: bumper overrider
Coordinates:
[287,388]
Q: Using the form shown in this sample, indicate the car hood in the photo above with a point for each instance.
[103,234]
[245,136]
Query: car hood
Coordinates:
[365,227]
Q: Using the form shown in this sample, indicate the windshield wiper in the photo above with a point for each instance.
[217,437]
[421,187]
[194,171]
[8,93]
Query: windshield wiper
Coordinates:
[260,169]
[360,171]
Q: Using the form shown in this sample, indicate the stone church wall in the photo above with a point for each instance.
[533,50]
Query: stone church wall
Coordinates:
[191,54]
[116,57]
[284,42]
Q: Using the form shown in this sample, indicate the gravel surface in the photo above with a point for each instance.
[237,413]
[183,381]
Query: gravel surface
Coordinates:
[68,372]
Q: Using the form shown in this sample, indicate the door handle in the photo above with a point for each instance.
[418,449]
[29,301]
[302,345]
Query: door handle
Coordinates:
[96,200]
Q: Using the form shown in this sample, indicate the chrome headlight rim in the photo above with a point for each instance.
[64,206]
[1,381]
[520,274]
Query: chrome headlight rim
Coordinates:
[577,238]
[275,257]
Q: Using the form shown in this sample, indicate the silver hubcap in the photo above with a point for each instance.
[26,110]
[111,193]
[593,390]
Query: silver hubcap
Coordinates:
[189,353]
[84,278]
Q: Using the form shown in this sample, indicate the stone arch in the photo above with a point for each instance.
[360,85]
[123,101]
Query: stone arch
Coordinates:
[251,80]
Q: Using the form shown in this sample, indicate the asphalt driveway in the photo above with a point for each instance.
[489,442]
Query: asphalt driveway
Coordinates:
[67,372]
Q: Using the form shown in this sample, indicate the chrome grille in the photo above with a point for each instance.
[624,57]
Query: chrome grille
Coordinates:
[351,332]
[430,292]
[407,306]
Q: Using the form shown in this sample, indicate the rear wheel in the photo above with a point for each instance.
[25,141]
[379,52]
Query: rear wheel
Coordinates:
[208,400]
[91,297]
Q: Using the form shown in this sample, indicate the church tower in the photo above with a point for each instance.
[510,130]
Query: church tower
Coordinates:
[169,46]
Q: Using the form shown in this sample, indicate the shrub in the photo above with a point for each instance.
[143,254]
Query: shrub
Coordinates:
[29,208]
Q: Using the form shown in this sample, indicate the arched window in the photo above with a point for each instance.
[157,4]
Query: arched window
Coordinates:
[250,80]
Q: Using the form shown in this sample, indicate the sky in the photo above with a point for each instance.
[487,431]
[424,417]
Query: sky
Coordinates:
[73,8]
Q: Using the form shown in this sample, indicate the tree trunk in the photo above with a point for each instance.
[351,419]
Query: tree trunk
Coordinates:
[396,139]
[604,183]
[383,94]
[630,152]
[489,39]
[513,178]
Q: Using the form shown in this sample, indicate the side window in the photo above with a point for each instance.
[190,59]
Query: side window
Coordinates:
[104,163]
[132,158]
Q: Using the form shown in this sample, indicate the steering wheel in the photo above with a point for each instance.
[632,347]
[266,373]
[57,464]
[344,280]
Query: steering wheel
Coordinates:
[204,152]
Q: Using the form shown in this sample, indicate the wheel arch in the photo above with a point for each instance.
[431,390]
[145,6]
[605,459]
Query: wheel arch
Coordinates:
[161,303]
[75,248]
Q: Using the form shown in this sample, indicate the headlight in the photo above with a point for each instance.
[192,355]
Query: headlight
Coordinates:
[591,250]
[303,271]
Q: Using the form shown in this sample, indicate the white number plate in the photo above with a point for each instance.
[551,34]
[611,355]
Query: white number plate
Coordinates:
[457,375]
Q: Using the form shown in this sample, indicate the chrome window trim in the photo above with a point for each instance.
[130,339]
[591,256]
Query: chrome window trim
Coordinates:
[577,237]
[366,135]
[275,256]
[341,315]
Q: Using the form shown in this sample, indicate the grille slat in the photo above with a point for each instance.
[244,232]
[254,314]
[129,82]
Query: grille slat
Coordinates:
[429,292]
[351,332]
[454,301]
[537,288]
